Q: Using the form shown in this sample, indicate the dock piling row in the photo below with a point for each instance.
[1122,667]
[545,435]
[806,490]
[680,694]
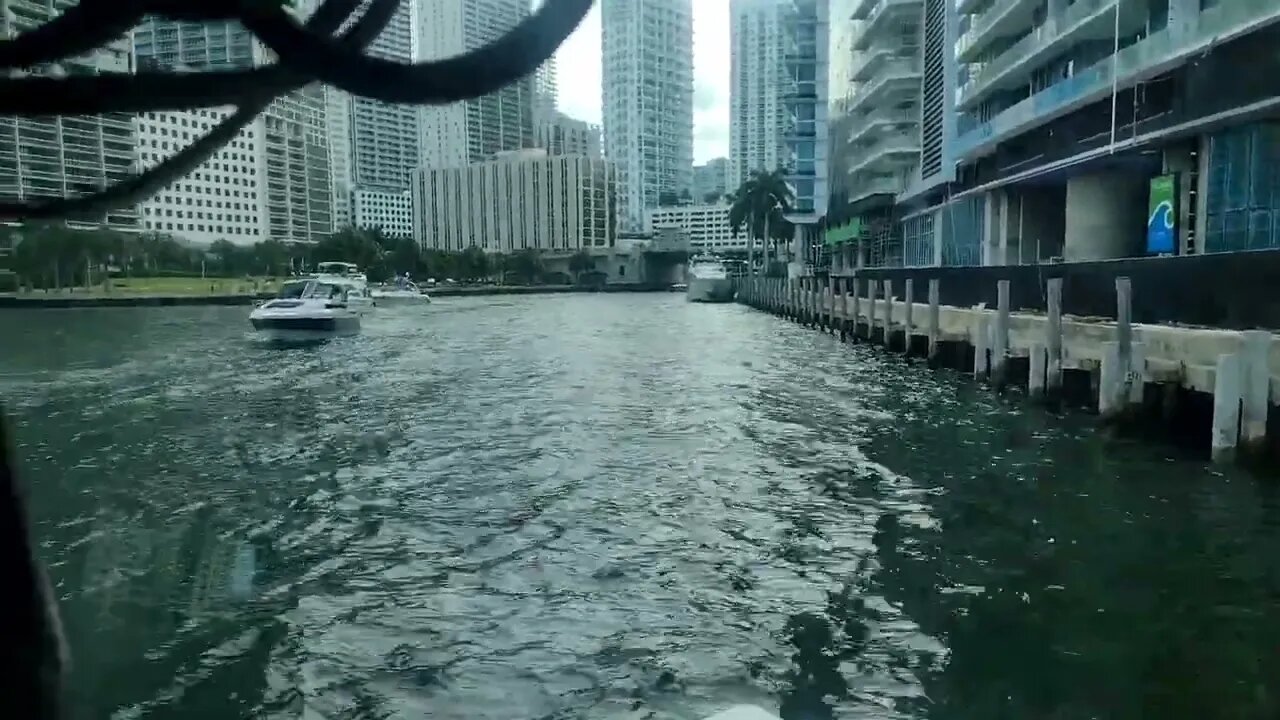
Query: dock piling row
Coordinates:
[1117,360]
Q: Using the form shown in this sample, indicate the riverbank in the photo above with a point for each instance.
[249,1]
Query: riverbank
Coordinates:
[95,299]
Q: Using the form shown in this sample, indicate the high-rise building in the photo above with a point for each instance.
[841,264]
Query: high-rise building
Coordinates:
[805,135]
[473,130]
[711,179]
[223,198]
[648,101]
[384,137]
[546,89]
[706,225]
[517,200]
[757,79]
[563,135]
[59,157]
[298,186]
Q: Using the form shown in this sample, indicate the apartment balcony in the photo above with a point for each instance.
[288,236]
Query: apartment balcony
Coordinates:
[1084,20]
[891,118]
[868,63]
[966,7]
[864,185]
[881,14]
[1156,54]
[900,77]
[863,8]
[1003,18]
[889,152]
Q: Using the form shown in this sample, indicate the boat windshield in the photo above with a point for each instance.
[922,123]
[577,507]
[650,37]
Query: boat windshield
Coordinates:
[325,291]
[292,290]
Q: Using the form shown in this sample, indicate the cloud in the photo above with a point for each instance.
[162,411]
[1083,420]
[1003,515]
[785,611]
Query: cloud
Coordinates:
[578,64]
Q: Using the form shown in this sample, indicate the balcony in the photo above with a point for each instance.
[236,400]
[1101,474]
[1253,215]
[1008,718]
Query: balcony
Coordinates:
[898,148]
[901,75]
[1004,17]
[865,186]
[882,118]
[1147,58]
[863,8]
[885,10]
[965,7]
[1085,20]
[866,64]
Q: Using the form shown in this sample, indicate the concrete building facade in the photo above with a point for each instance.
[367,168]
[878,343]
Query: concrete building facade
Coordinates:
[222,199]
[707,226]
[392,213]
[560,134]
[805,135]
[515,201]
[712,178]
[470,131]
[60,157]
[758,77]
[298,186]
[647,92]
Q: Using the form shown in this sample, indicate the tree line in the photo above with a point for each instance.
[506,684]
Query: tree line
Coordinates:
[56,256]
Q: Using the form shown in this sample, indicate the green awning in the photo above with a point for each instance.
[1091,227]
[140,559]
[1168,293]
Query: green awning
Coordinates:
[844,233]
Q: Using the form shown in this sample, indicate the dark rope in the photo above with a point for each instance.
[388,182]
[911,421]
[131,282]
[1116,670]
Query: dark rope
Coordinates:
[306,53]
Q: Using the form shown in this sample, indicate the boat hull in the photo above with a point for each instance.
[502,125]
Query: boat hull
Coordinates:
[716,290]
[400,298]
[304,328]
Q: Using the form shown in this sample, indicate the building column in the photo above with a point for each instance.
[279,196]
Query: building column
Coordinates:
[1105,218]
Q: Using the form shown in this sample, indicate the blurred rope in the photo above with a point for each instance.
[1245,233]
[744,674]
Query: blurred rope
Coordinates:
[306,53]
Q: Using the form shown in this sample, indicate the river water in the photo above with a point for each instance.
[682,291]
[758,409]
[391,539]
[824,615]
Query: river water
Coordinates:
[611,506]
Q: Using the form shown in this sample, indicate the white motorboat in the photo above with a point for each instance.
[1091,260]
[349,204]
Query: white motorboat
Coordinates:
[308,310]
[709,280]
[404,291]
[349,277]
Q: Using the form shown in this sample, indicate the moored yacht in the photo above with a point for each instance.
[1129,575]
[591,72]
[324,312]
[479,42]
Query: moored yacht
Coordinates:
[403,291]
[709,280]
[307,310]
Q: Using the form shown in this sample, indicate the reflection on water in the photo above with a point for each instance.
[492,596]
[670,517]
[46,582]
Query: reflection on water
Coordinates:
[611,506]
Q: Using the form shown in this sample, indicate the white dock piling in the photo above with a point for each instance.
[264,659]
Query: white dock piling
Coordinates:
[982,335]
[909,296]
[1036,372]
[888,312]
[1227,385]
[934,322]
[871,306]
[1000,339]
[1053,339]
[1255,356]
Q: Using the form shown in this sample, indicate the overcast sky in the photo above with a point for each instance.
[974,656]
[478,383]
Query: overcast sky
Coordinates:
[578,68]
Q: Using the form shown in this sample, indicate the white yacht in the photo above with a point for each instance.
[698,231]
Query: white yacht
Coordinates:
[403,291]
[307,310]
[349,277]
[708,280]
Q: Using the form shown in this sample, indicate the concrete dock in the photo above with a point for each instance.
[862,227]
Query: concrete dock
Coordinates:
[1124,361]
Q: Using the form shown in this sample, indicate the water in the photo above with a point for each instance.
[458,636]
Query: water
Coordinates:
[613,507]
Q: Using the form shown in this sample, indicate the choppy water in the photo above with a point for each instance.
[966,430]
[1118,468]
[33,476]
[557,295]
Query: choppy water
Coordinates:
[613,507]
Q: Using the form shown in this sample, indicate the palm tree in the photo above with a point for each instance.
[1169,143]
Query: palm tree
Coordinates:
[759,205]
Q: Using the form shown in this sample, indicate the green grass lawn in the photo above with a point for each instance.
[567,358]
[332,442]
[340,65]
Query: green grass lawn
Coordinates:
[175,286]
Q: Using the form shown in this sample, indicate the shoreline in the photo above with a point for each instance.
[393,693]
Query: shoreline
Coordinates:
[35,300]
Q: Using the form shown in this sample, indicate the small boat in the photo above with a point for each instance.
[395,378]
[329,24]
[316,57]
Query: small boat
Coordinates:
[308,310]
[347,275]
[709,280]
[404,291]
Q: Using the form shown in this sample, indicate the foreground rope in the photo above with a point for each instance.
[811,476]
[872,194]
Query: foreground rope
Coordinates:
[307,53]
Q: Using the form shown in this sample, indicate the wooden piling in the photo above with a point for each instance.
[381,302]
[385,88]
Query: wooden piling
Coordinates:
[856,291]
[1000,338]
[982,334]
[934,321]
[1113,388]
[909,294]
[888,313]
[1227,385]
[871,307]
[1255,357]
[1053,339]
[1036,372]
[842,316]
